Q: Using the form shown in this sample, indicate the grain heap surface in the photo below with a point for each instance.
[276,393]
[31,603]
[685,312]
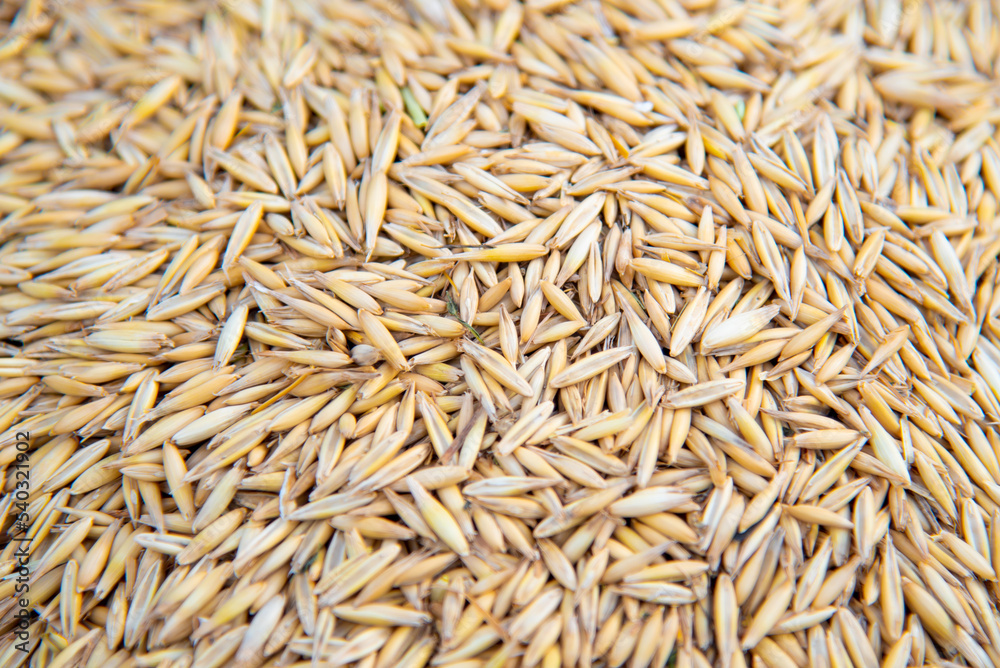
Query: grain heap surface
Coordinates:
[483,333]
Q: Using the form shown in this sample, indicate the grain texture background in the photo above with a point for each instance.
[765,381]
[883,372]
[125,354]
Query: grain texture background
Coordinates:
[487,333]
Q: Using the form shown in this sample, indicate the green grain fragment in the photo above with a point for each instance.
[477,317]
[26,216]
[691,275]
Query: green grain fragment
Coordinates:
[413,108]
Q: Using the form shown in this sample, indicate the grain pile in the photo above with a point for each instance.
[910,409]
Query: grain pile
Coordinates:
[642,333]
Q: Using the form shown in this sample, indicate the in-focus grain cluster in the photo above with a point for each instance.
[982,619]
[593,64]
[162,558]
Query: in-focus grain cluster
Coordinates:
[481,333]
